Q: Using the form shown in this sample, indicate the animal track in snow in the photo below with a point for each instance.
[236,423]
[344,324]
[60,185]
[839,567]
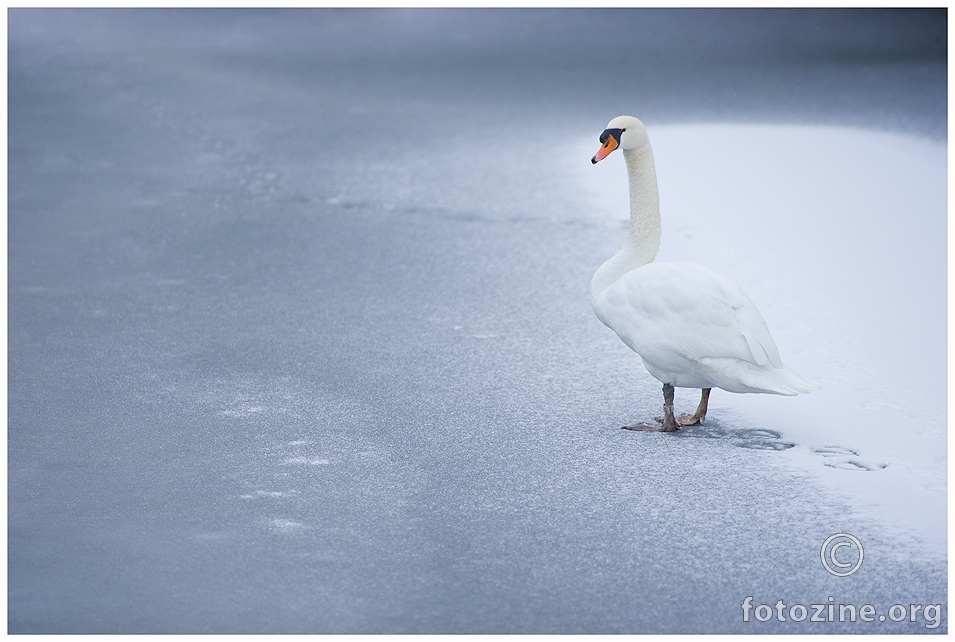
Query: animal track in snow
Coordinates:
[845,459]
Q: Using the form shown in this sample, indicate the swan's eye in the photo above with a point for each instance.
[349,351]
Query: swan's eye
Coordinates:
[611,133]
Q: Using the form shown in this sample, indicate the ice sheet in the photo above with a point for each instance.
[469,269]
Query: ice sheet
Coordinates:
[300,339]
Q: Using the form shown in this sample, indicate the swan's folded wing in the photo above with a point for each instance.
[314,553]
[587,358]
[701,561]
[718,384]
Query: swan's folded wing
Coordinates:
[757,336]
[684,310]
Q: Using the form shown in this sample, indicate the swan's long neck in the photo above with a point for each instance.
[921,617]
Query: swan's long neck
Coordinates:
[643,237]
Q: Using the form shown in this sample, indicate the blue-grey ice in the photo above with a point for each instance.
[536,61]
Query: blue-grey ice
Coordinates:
[300,339]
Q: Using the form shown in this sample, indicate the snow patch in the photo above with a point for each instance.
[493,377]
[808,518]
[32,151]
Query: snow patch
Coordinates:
[838,236]
[286,526]
[307,461]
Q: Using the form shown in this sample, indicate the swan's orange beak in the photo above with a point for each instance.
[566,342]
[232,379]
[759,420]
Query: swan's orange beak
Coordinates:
[605,150]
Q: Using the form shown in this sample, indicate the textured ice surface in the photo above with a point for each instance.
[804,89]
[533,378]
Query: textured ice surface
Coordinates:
[300,340]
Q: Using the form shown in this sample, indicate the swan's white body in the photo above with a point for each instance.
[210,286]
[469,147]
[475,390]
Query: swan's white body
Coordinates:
[693,327]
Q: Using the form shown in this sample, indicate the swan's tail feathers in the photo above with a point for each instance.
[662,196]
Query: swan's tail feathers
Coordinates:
[735,375]
[792,384]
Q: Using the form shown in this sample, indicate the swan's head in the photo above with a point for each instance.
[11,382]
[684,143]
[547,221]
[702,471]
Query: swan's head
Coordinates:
[625,132]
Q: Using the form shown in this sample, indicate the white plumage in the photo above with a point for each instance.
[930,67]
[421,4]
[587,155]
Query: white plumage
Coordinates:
[693,327]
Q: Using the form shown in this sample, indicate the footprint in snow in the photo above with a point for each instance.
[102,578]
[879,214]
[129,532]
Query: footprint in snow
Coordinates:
[845,459]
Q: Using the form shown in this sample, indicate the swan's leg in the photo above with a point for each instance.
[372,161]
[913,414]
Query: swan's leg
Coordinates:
[666,423]
[670,423]
[704,402]
[700,414]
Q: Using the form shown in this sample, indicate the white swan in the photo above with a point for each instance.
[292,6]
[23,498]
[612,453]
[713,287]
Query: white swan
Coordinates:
[693,327]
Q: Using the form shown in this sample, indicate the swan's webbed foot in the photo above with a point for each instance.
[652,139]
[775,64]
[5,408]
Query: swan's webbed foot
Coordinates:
[654,427]
[677,420]
[668,422]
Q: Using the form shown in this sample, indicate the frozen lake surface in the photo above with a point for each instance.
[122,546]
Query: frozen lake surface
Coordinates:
[300,336]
